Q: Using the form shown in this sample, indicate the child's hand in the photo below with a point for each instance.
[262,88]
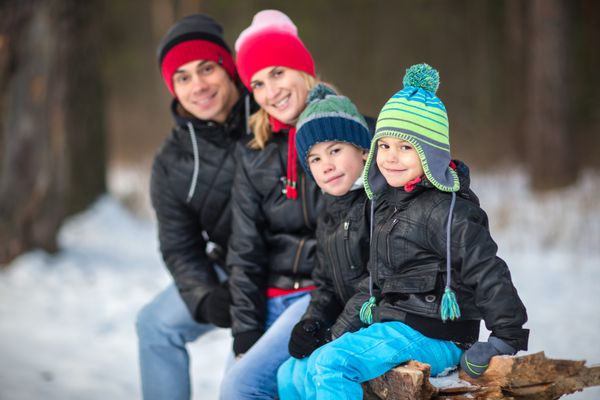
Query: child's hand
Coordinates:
[307,336]
[476,359]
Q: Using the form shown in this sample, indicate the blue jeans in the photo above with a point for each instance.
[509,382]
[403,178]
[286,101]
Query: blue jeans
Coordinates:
[336,370]
[164,327]
[254,375]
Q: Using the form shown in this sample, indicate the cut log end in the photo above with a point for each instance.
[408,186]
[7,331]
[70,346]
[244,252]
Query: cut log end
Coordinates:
[531,376]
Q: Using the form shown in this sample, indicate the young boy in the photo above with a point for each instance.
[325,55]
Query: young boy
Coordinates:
[434,273]
[332,141]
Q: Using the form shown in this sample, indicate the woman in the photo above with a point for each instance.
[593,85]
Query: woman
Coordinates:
[272,247]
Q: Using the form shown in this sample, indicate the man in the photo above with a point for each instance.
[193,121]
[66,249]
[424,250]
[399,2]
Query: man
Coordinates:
[190,190]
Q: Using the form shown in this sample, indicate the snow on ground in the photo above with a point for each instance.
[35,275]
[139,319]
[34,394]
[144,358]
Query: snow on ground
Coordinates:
[67,320]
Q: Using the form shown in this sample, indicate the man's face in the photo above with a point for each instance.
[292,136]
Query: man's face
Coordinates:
[205,90]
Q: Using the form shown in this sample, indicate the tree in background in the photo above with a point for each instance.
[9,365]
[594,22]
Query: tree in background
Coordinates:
[550,152]
[521,79]
[52,139]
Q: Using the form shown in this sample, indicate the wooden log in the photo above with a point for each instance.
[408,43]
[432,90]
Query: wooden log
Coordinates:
[410,381]
[534,376]
[529,377]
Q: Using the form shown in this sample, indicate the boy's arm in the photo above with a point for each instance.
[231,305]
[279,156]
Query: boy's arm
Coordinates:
[484,273]
[324,305]
[349,320]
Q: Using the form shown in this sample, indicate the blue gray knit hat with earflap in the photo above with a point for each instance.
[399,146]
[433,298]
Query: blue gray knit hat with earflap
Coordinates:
[329,117]
[417,115]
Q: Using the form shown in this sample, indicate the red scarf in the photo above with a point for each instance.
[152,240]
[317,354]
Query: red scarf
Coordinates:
[410,185]
[290,183]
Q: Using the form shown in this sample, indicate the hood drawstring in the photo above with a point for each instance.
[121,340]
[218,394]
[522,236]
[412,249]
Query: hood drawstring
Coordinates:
[247,113]
[196,162]
[192,133]
[366,310]
[449,308]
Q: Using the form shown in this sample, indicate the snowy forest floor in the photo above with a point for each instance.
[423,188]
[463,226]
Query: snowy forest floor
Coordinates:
[67,319]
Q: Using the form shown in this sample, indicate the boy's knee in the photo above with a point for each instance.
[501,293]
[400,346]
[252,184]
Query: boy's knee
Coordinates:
[285,372]
[328,358]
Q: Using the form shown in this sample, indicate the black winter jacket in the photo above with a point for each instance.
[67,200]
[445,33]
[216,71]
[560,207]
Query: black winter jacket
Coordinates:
[408,260]
[342,254]
[191,197]
[273,238]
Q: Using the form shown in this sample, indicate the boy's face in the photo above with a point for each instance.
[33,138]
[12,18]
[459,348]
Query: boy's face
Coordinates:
[281,92]
[398,161]
[205,90]
[336,166]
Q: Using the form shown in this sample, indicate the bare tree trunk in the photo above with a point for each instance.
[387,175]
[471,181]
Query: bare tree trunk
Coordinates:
[550,152]
[51,119]
[515,17]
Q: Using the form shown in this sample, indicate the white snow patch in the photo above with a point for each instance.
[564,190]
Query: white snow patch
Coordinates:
[67,320]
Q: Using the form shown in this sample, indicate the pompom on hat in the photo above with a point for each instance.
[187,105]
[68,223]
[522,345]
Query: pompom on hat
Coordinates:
[329,117]
[194,37]
[271,40]
[417,115]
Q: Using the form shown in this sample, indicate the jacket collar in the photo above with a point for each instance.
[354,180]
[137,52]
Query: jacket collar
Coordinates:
[336,204]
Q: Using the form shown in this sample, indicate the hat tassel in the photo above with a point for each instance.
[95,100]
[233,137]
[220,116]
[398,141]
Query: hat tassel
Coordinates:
[366,311]
[450,309]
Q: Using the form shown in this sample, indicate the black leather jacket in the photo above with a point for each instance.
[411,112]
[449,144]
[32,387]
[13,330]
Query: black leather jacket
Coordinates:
[408,260]
[342,254]
[273,238]
[191,197]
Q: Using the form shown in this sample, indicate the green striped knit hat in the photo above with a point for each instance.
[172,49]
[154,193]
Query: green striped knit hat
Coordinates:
[416,115]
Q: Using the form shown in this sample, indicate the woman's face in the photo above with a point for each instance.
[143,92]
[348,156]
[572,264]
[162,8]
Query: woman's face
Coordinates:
[281,92]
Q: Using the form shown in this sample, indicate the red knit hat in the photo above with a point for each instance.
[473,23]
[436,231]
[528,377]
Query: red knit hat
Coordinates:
[195,37]
[271,40]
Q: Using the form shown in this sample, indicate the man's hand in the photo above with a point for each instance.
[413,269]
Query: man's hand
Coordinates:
[214,308]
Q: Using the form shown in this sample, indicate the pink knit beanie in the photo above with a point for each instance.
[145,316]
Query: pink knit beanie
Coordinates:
[271,40]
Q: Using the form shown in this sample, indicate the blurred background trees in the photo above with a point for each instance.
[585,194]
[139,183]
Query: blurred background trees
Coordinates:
[518,77]
[52,119]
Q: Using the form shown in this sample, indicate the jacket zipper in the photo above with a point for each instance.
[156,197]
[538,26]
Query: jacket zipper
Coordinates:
[347,243]
[304,210]
[387,239]
[296,263]
[338,284]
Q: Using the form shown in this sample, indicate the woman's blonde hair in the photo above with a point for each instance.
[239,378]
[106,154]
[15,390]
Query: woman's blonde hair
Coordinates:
[259,121]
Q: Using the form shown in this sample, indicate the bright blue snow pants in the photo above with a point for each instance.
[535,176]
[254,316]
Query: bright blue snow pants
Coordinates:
[336,370]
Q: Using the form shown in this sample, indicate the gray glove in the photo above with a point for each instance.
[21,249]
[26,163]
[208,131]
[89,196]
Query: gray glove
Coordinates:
[476,359]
